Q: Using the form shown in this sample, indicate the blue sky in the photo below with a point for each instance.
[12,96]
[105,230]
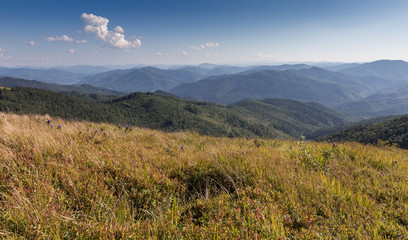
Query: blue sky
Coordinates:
[70,32]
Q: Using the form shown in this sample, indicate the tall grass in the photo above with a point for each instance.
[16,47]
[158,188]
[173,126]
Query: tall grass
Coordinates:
[77,183]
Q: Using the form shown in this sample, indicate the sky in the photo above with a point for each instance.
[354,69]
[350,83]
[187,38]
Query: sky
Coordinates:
[174,32]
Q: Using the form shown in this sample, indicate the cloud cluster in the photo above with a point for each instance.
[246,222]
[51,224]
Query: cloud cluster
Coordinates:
[2,51]
[63,38]
[72,51]
[206,45]
[160,54]
[81,41]
[32,43]
[99,26]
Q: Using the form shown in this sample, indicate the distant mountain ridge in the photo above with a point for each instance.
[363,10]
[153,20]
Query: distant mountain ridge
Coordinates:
[365,90]
[390,101]
[396,70]
[44,75]
[84,69]
[84,88]
[311,84]
[148,79]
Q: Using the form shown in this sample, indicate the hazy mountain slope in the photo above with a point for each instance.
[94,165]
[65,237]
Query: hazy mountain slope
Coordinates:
[395,70]
[303,85]
[390,101]
[366,85]
[111,75]
[338,67]
[87,89]
[225,69]
[44,75]
[292,117]
[147,79]
[84,69]
[393,132]
[277,68]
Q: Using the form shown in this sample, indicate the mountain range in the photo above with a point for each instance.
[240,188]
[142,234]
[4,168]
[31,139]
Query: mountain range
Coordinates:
[313,84]
[395,70]
[364,90]
[52,75]
[146,79]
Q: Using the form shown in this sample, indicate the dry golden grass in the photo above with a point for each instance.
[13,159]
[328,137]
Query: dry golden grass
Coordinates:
[75,183]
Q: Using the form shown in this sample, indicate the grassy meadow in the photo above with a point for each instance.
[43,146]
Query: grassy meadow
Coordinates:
[83,180]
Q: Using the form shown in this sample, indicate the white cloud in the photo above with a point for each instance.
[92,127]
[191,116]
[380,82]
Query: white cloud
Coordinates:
[72,51]
[160,54]
[184,53]
[32,43]
[2,51]
[63,38]
[81,41]
[119,29]
[264,55]
[206,45]
[99,26]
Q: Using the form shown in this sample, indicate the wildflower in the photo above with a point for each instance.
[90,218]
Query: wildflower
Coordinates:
[102,129]
[182,147]
[52,126]
[394,163]
[152,134]
[119,126]
[96,131]
[91,136]
[49,121]
[59,126]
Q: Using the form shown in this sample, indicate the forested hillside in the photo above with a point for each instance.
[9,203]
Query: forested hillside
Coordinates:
[174,114]
[393,132]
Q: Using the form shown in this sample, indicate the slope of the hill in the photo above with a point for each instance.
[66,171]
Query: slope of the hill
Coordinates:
[146,79]
[390,132]
[174,114]
[78,181]
[394,70]
[45,75]
[140,109]
[70,89]
[290,116]
[390,101]
[314,84]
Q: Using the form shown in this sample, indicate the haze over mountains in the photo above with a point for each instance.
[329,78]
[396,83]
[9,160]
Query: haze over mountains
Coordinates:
[363,90]
[44,75]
